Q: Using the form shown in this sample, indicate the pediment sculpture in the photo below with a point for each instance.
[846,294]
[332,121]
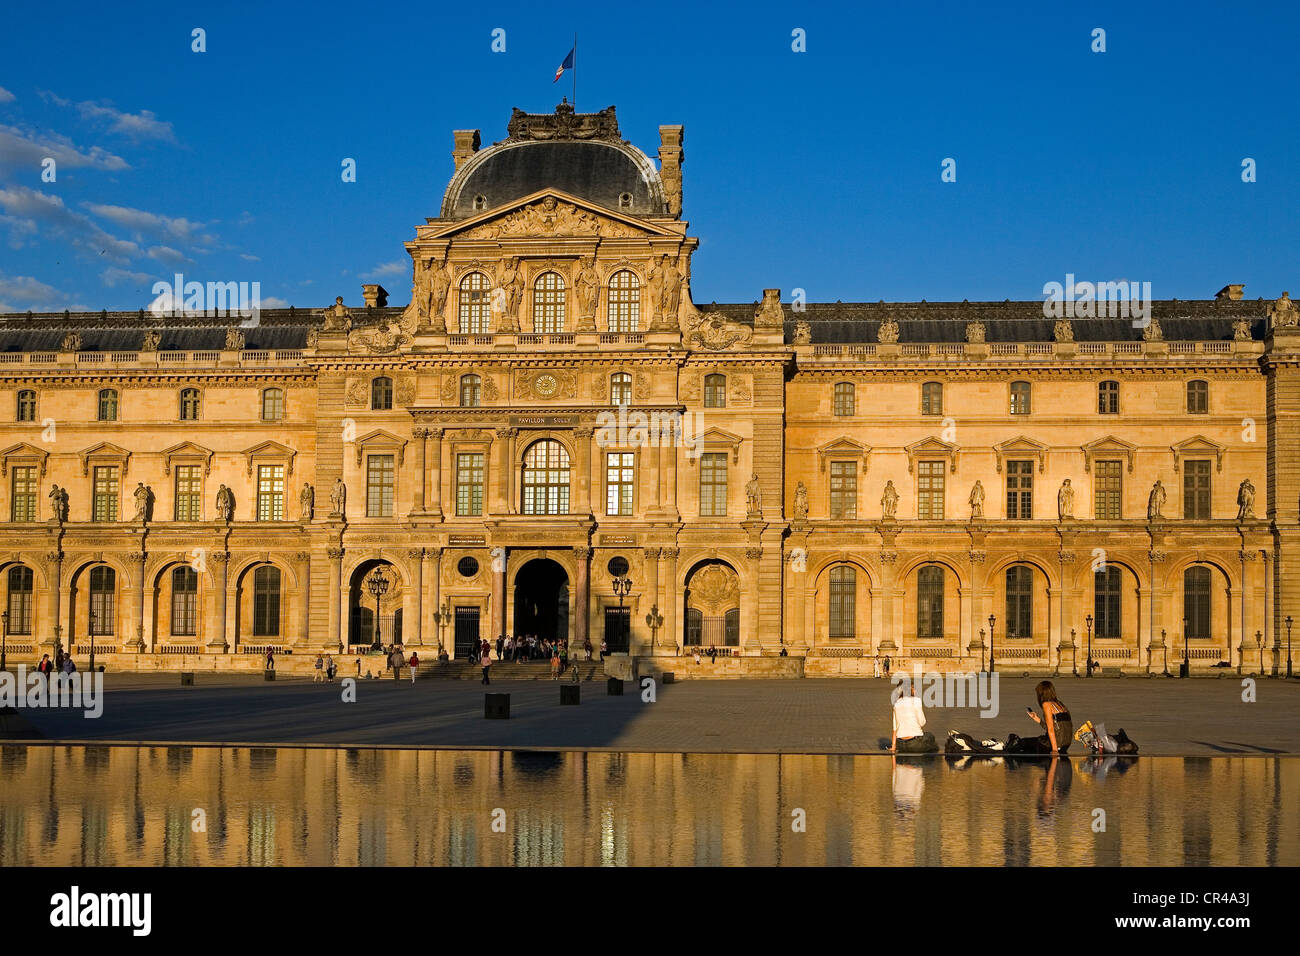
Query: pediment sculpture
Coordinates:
[714,332]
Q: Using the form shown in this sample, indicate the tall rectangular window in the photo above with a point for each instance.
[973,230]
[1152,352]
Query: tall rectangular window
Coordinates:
[1196,602]
[266,602]
[189,493]
[1108,489]
[929,490]
[929,602]
[844,489]
[713,484]
[618,483]
[23,496]
[185,602]
[1196,490]
[1107,602]
[1020,490]
[105,505]
[379,486]
[1020,394]
[843,603]
[1108,398]
[20,600]
[1020,602]
[270,492]
[469,484]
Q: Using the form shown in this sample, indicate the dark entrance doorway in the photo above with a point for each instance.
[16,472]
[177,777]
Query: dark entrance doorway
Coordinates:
[466,631]
[618,629]
[542,600]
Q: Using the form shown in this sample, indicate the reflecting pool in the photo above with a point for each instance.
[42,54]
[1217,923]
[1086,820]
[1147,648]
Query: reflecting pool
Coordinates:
[182,806]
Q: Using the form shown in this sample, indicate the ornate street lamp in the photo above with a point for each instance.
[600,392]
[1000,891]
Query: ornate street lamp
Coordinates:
[654,620]
[1186,670]
[1088,620]
[4,640]
[377,584]
[441,618]
[992,666]
[622,586]
[1288,646]
[1074,655]
[92,640]
[981,649]
[1164,654]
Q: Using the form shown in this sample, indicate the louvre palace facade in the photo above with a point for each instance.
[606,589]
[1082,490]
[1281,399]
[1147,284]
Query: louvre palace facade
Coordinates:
[553,438]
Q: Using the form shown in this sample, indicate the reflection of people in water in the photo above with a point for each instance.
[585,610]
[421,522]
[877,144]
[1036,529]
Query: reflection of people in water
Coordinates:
[1056,786]
[908,784]
[1099,765]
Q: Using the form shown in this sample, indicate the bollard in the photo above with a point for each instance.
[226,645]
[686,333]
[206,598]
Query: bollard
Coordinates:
[668,677]
[496,706]
[569,693]
[614,687]
[187,678]
[268,675]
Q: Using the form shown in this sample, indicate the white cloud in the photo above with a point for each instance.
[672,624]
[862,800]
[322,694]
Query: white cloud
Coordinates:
[135,126]
[115,276]
[245,219]
[20,147]
[6,96]
[33,206]
[391,268]
[274,302]
[20,293]
[150,223]
[169,255]
[245,256]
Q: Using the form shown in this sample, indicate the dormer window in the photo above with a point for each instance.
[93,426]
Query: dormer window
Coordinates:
[624,200]
[480,203]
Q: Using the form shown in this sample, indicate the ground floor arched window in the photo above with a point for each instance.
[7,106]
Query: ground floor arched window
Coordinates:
[843,603]
[929,602]
[1196,602]
[20,600]
[1020,602]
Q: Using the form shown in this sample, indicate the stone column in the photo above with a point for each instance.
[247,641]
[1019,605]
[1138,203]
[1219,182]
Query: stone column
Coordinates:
[420,436]
[670,501]
[230,621]
[1066,559]
[582,597]
[750,639]
[417,555]
[582,439]
[435,554]
[886,645]
[499,563]
[140,557]
[304,589]
[657,479]
[652,591]
[54,576]
[435,471]
[503,481]
[672,599]
[335,625]
[217,643]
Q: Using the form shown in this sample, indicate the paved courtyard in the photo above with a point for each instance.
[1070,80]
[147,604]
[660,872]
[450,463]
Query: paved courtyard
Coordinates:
[1165,717]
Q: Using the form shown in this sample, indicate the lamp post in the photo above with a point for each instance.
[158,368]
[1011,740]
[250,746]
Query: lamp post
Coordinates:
[92,640]
[1164,654]
[1186,670]
[1074,655]
[981,649]
[992,665]
[654,620]
[4,641]
[441,618]
[1288,646]
[1088,620]
[622,587]
[377,584]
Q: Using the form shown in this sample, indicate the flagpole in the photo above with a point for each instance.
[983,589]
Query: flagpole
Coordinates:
[575,72]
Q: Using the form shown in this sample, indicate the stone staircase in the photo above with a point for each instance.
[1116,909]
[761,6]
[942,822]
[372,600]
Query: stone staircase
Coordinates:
[593,670]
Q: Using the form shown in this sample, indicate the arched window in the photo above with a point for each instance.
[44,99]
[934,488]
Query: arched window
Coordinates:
[381,393]
[1107,602]
[107,405]
[1020,394]
[624,301]
[475,303]
[1198,397]
[471,389]
[932,398]
[620,389]
[26,405]
[546,478]
[1196,602]
[843,602]
[694,627]
[1020,602]
[548,303]
[929,602]
[20,600]
[103,588]
[715,391]
[1108,398]
[844,399]
[189,404]
[266,601]
[731,628]
[272,404]
[185,602]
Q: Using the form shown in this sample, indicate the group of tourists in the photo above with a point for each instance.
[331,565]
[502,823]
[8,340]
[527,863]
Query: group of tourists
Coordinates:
[61,664]
[529,647]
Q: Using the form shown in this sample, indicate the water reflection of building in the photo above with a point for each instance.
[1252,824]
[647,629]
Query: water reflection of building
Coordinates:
[99,806]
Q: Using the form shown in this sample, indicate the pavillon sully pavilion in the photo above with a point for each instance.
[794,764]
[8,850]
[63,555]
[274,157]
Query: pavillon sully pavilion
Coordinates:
[804,489]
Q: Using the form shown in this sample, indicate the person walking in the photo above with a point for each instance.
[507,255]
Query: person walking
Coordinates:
[395,661]
[586,647]
[358,667]
[68,666]
[604,648]
[329,668]
[555,664]
[909,737]
[270,658]
[414,665]
[319,676]
[886,666]
[487,668]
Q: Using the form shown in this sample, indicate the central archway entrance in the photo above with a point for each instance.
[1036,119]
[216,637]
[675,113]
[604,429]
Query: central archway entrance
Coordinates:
[542,600]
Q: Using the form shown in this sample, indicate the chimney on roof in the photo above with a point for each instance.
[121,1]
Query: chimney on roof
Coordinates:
[1231,292]
[671,157]
[466,143]
[376,296]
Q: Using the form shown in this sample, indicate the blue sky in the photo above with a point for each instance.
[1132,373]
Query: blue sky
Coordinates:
[818,170]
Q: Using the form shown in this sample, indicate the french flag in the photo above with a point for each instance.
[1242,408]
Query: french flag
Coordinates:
[566,65]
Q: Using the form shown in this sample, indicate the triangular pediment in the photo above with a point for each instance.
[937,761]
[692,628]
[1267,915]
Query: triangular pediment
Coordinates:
[715,438]
[187,450]
[546,214]
[104,450]
[1198,446]
[1108,447]
[25,452]
[1021,447]
[272,450]
[931,447]
[843,447]
[383,439]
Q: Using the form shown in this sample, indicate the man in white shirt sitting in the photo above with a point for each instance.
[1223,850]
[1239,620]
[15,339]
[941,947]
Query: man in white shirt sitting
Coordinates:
[909,719]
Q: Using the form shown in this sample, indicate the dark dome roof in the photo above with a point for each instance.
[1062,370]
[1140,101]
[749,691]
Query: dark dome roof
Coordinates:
[580,154]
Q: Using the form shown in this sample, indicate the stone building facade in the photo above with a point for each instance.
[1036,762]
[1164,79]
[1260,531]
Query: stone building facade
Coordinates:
[807,490]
